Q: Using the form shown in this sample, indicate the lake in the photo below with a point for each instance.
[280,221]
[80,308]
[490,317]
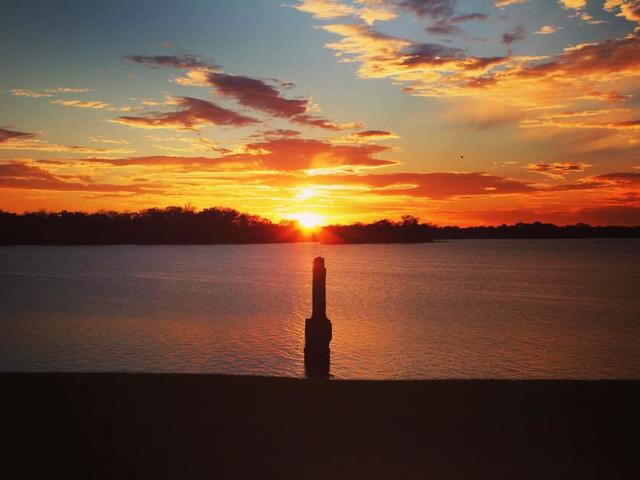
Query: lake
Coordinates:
[456,309]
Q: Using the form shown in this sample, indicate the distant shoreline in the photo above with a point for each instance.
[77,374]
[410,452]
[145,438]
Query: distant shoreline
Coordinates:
[436,240]
[214,226]
[112,425]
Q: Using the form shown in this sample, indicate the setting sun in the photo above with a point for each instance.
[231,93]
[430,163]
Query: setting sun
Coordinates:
[309,220]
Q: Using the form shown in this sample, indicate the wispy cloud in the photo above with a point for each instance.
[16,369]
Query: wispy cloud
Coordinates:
[558,169]
[192,114]
[250,92]
[49,92]
[15,140]
[7,135]
[278,153]
[95,104]
[515,35]
[21,175]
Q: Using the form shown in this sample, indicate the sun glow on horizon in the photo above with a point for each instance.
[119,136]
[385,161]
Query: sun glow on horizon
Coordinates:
[309,220]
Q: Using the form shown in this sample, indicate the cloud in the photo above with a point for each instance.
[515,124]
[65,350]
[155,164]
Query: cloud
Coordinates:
[52,92]
[580,72]
[371,11]
[433,9]
[562,167]
[441,13]
[604,71]
[325,9]
[14,140]
[194,113]
[280,133]
[606,181]
[366,136]
[576,120]
[375,134]
[375,11]
[250,92]
[49,92]
[558,169]
[433,185]
[620,179]
[23,92]
[44,146]
[420,66]
[613,57]
[629,9]
[546,30]
[96,104]
[515,35]
[185,163]
[506,3]
[259,95]
[573,4]
[449,185]
[68,90]
[20,175]
[598,215]
[173,61]
[306,154]
[9,135]
[449,26]
[280,153]
[111,141]
[578,6]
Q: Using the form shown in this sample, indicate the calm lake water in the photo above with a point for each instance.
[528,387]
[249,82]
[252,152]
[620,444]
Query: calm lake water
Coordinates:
[456,309]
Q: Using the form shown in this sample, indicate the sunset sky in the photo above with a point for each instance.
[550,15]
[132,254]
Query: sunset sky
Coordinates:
[458,112]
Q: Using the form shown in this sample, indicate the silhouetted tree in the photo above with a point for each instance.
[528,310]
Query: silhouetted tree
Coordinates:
[185,225]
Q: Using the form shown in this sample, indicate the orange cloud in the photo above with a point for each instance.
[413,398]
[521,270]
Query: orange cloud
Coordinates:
[629,9]
[558,169]
[371,11]
[433,185]
[598,215]
[546,30]
[573,4]
[512,88]
[20,175]
[506,3]
[275,154]
[621,179]
[325,9]
[421,67]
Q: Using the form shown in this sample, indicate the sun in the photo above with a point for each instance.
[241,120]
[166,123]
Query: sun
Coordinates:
[308,220]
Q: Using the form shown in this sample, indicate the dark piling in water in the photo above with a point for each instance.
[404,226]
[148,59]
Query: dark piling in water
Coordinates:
[317,329]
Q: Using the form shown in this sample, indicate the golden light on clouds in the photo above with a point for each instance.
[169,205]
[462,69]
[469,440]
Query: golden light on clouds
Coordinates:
[453,113]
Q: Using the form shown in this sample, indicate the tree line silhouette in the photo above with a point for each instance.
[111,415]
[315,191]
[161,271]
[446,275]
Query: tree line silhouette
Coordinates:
[178,225]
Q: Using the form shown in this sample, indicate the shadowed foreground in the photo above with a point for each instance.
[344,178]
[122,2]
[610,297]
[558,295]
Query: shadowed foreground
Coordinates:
[207,426]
